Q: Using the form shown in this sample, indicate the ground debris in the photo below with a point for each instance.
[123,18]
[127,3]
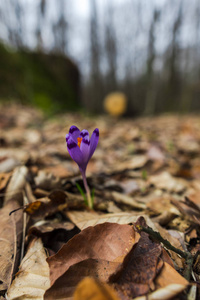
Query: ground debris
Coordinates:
[147,167]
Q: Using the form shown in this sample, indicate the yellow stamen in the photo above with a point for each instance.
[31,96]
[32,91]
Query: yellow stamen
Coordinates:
[79,141]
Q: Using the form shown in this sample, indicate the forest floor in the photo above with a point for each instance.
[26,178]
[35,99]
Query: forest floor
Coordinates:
[145,173]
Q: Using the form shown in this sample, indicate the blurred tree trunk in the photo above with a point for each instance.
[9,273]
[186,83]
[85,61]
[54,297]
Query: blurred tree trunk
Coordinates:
[197,33]
[19,23]
[150,101]
[136,102]
[173,92]
[60,30]
[110,49]
[12,17]
[40,18]
[95,86]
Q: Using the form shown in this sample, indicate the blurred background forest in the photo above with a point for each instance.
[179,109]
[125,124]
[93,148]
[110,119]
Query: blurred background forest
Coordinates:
[63,55]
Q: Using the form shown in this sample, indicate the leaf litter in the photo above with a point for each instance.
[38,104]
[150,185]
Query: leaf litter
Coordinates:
[147,167]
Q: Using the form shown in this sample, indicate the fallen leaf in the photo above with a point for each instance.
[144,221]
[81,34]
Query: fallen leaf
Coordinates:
[137,162]
[47,181]
[169,275]
[8,164]
[169,284]
[165,293]
[117,240]
[174,242]
[54,234]
[190,211]
[125,199]
[65,285]
[16,185]
[83,219]
[18,154]
[32,279]
[195,197]
[10,242]
[90,288]
[155,153]
[162,205]
[57,200]
[165,181]
[139,268]
[4,178]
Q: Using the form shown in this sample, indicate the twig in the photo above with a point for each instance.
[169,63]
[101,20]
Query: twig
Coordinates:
[184,254]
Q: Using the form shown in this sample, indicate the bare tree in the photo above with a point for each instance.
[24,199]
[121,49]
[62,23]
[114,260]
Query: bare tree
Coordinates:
[197,34]
[40,19]
[60,30]
[150,101]
[173,92]
[95,89]
[12,19]
[110,49]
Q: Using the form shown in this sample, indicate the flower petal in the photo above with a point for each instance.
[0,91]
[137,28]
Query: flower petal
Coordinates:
[85,148]
[74,132]
[84,133]
[75,152]
[93,142]
[67,137]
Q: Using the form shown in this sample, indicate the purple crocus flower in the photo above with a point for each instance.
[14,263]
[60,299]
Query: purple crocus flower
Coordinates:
[81,149]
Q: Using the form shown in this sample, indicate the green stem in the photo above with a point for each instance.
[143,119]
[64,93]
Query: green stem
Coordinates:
[87,189]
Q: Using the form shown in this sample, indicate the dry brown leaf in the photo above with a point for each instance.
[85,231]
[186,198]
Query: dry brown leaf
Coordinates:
[155,153]
[137,161]
[162,205]
[195,197]
[65,285]
[33,277]
[117,241]
[90,288]
[17,154]
[10,242]
[165,293]
[139,268]
[121,198]
[175,242]
[54,233]
[9,164]
[60,171]
[165,181]
[47,181]
[84,219]
[190,211]
[56,201]
[169,275]
[16,185]
[169,283]
[4,177]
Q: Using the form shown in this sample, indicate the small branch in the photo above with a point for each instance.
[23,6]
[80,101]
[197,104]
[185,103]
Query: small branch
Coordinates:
[184,254]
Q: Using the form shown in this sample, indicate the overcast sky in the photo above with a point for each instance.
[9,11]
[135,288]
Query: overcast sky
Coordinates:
[126,23]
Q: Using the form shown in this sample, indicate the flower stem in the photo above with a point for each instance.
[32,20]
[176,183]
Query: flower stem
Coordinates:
[87,189]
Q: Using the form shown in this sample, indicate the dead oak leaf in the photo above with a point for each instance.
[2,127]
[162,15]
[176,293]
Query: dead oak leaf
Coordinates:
[10,237]
[139,268]
[90,288]
[33,277]
[65,285]
[108,241]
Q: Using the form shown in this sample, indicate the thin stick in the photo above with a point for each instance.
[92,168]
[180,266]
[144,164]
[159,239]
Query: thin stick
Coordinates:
[184,254]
